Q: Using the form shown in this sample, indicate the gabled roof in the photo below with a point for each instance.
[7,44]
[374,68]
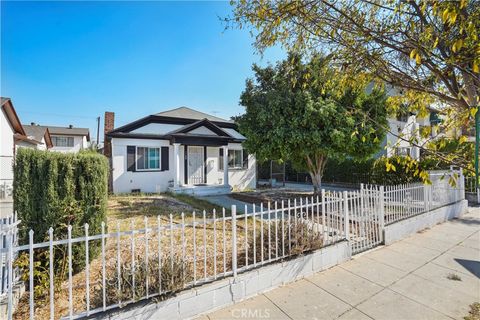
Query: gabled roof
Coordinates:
[201,123]
[38,133]
[11,115]
[188,113]
[180,116]
[211,133]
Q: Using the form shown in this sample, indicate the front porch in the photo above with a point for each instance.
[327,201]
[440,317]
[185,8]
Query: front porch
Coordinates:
[200,169]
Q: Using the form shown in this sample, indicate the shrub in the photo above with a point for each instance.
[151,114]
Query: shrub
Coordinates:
[347,170]
[175,274]
[298,238]
[55,190]
[403,171]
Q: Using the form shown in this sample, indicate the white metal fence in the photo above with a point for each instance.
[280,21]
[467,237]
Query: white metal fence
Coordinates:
[407,200]
[365,210]
[8,232]
[186,250]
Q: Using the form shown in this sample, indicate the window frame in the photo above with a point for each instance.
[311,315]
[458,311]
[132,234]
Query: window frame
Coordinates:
[148,158]
[220,160]
[67,139]
[234,159]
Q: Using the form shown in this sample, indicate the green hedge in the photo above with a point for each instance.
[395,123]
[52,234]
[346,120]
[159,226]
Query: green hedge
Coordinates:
[55,190]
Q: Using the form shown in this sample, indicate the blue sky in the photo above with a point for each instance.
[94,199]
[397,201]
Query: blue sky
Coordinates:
[68,62]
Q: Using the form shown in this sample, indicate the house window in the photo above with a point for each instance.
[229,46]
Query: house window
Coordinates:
[234,159]
[59,141]
[237,159]
[148,158]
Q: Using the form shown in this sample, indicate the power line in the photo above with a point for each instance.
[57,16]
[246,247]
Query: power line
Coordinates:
[56,115]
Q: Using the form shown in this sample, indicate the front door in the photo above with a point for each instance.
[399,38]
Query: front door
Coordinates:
[195,165]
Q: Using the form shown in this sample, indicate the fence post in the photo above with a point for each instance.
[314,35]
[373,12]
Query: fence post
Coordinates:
[10,274]
[346,217]
[425,197]
[382,212]
[234,240]
[462,185]
[30,256]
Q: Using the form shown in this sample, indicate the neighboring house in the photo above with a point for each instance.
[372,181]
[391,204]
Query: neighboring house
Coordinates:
[69,139]
[15,135]
[180,150]
[11,130]
[39,134]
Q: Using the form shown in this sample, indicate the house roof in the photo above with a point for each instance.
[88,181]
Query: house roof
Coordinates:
[37,133]
[201,123]
[188,113]
[70,131]
[185,131]
[178,116]
[12,117]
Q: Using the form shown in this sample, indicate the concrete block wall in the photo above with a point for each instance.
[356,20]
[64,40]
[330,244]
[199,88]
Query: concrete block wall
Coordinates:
[402,229]
[225,292]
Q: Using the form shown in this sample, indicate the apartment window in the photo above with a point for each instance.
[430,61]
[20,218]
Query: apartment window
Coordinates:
[402,152]
[148,158]
[59,141]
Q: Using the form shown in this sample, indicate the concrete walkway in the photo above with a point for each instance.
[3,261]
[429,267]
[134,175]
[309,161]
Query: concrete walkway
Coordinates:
[225,201]
[411,279]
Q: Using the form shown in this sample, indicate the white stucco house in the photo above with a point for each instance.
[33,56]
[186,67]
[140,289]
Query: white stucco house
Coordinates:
[69,139]
[11,129]
[13,135]
[180,150]
[39,134]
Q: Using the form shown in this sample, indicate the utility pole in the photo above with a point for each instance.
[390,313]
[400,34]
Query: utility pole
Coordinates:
[98,130]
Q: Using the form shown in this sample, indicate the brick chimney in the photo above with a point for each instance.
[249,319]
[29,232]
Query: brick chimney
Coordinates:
[109,126]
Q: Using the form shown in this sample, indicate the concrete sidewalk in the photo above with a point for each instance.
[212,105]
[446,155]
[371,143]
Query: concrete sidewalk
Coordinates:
[410,279]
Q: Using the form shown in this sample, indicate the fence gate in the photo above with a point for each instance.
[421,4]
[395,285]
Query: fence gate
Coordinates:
[365,211]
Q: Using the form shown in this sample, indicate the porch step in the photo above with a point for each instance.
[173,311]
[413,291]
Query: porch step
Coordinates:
[202,190]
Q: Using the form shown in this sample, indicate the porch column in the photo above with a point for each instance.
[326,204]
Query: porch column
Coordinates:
[176,157]
[225,165]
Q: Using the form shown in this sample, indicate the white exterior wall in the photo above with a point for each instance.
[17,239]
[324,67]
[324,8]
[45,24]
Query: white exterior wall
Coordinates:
[79,143]
[24,144]
[401,131]
[147,181]
[239,179]
[159,181]
[6,149]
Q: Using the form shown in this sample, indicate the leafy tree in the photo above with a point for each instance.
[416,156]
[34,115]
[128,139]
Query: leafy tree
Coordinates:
[430,49]
[308,113]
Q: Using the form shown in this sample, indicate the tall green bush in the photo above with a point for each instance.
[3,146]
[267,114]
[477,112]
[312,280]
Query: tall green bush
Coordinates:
[55,190]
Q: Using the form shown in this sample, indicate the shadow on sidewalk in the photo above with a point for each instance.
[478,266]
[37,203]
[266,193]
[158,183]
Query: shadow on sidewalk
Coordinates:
[471,265]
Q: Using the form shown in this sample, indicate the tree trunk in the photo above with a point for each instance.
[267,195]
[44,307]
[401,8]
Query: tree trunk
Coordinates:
[316,165]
